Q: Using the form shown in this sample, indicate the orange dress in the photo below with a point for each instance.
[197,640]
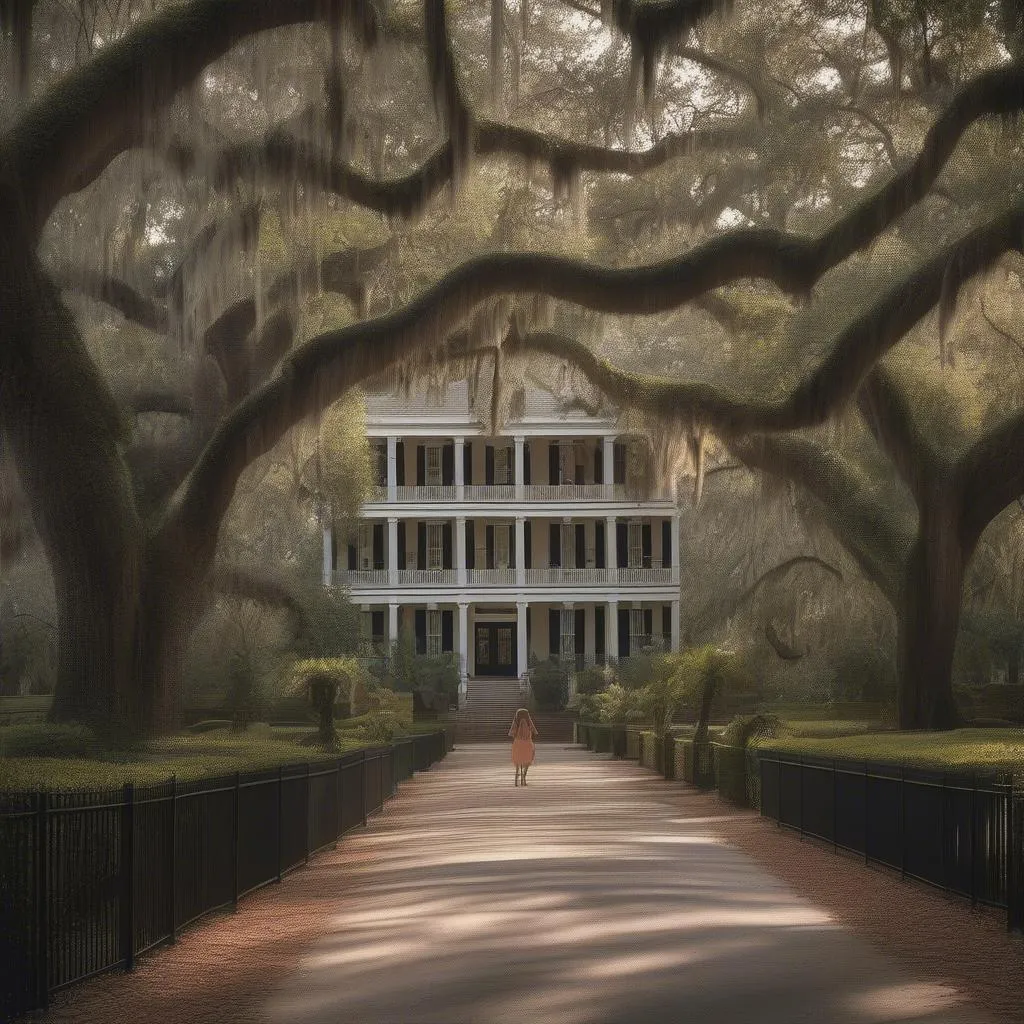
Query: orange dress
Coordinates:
[522,743]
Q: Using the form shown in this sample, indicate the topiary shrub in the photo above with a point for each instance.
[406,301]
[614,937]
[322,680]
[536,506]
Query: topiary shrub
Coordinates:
[590,681]
[549,681]
[744,729]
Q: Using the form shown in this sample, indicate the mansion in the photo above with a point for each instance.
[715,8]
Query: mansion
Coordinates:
[551,540]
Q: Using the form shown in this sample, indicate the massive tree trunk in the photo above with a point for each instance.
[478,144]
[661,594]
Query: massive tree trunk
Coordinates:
[928,613]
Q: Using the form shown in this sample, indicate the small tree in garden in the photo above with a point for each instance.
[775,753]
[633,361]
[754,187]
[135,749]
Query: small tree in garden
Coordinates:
[671,684]
[244,696]
[617,704]
[549,680]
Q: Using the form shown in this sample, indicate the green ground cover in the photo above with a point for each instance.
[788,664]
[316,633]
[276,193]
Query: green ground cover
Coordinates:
[999,750]
[69,757]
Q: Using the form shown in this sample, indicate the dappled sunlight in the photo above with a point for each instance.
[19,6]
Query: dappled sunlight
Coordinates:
[475,902]
[908,1001]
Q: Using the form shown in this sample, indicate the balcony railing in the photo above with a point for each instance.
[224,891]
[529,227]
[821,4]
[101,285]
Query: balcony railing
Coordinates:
[492,577]
[545,577]
[507,492]
[575,577]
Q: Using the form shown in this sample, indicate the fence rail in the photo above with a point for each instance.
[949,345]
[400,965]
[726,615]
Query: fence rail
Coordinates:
[961,833]
[90,880]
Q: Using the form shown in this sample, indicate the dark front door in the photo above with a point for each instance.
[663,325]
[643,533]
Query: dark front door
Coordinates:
[495,649]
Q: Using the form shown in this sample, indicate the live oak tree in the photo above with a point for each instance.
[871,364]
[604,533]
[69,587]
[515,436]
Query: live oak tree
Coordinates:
[126,562]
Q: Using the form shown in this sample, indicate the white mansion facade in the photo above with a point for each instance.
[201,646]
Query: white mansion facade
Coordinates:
[545,541]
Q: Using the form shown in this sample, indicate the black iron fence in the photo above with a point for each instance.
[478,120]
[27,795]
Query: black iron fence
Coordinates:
[961,833]
[89,880]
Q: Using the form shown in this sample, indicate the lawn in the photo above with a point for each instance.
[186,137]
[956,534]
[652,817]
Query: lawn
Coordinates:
[996,750]
[79,763]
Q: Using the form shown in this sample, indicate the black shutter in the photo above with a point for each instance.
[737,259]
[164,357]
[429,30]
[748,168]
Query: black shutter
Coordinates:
[526,463]
[599,544]
[666,543]
[377,625]
[581,474]
[401,544]
[512,546]
[645,544]
[448,464]
[581,546]
[554,632]
[599,652]
[378,545]
[555,546]
[553,463]
[623,633]
[619,462]
[334,549]
[421,630]
[527,546]
[578,639]
[446,545]
[648,622]
[490,547]
[489,465]
[421,545]
[599,463]
[400,463]
[447,630]
[622,544]
[666,621]
[467,462]
[421,465]
[470,545]
[352,556]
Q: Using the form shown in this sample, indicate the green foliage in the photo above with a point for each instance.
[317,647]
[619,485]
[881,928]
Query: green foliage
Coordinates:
[591,680]
[862,672]
[27,654]
[331,624]
[345,470]
[634,672]
[388,717]
[40,739]
[245,693]
[746,728]
[406,671]
[549,680]
[616,704]
[672,681]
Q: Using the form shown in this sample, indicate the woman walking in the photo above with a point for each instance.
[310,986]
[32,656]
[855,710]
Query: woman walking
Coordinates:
[522,732]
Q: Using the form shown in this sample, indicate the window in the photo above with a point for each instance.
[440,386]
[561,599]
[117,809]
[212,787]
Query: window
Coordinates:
[381,464]
[636,545]
[434,465]
[365,546]
[366,626]
[569,546]
[567,461]
[502,546]
[433,631]
[636,629]
[435,546]
[502,466]
[568,635]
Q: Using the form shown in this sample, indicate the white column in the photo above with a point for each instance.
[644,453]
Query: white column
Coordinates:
[460,470]
[675,549]
[675,625]
[611,554]
[519,467]
[522,658]
[393,551]
[608,457]
[611,632]
[392,623]
[460,549]
[328,533]
[520,551]
[392,468]
[464,640]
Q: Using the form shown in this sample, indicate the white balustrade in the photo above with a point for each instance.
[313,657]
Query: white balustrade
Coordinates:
[360,577]
[634,574]
[427,492]
[570,577]
[427,577]
[492,577]
[490,492]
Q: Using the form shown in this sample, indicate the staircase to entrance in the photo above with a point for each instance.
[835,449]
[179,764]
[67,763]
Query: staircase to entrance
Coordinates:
[491,701]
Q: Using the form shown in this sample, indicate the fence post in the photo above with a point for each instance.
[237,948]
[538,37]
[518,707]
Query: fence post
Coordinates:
[835,810]
[974,801]
[172,871]
[362,787]
[903,823]
[866,857]
[800,764]
[280,819]
[337,802]
[778,789]
[42,978]
[309,805]
[234,843]
[128,877]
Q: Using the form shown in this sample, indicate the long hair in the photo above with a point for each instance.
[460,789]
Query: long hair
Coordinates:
[520,715]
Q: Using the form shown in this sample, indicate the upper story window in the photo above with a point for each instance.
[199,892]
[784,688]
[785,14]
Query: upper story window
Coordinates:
[434,478]
[435,546]
[636,625]
[568,543]
[567,640]
[365,545]
[380,464]
[502,466]
[502,546]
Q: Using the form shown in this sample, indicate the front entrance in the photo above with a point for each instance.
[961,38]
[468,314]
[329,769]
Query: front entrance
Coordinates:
[495,649]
